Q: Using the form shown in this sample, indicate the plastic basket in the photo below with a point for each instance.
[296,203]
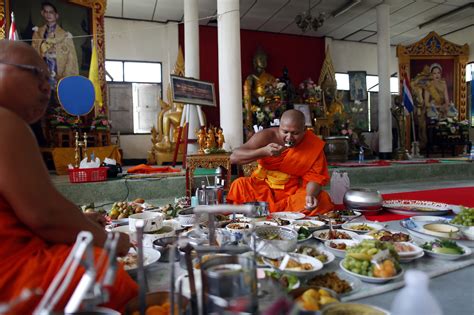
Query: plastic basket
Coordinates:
[85,175]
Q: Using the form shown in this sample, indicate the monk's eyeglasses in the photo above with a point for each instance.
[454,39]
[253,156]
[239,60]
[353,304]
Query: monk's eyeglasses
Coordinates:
[38,72]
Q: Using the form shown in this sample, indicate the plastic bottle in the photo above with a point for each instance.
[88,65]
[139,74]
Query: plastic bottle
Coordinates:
[361,154]
[415,298]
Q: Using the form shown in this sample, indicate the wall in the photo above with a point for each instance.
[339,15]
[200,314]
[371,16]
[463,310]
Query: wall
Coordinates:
[141,41]
[302,55]
[465,36]
[362,57]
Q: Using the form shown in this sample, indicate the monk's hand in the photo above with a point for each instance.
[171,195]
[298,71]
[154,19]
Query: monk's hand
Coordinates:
[274,149]
[123,245]
[311,202]
[96,217]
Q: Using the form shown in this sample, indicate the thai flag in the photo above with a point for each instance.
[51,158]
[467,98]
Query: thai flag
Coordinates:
[407,99]
[13,34]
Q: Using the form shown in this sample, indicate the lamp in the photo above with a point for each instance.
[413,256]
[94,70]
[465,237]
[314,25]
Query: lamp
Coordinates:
[305,20]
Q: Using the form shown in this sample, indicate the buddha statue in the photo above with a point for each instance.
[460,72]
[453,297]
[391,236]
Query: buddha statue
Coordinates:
[254,86]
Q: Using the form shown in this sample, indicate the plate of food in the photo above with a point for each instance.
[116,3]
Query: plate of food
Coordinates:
[130,261]
[311,299]
[290,216]
[341,283]
[372,261]
[419,232]
[338,247]
[361,227]
[370,279]
[390,236]
[304,234]
[324,235]
[416,207]
[320,254]
[349,214]
[289,282]
[446,249]
[301,266]
[311,225]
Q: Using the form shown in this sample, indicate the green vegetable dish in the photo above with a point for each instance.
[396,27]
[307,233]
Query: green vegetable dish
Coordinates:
[465,217]
[289,282]
[443,247]
[303,233]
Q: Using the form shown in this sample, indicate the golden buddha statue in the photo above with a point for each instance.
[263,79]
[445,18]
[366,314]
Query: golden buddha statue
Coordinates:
[254,86]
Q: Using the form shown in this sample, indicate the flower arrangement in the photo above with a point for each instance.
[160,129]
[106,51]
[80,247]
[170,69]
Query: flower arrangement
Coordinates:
[309,92]
[270,106]
[58,118]
[451,125]
[100,122]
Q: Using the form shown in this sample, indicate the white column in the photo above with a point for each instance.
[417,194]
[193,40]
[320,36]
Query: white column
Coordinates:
[384,100]
[230,76]
[191,63]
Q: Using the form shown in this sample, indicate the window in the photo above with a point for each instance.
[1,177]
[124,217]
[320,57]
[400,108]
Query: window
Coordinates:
[135,88]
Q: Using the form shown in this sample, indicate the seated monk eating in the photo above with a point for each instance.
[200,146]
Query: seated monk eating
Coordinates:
[38,226]
[291,170]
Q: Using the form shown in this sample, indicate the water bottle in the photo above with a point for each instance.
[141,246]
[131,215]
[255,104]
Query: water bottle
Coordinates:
[361,155]
[471,155]
[415,298]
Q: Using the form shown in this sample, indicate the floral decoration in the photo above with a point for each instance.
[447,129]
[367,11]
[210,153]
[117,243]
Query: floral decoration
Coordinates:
[451,125]
[100,122]
[58,118]
[310,93]
[270,106]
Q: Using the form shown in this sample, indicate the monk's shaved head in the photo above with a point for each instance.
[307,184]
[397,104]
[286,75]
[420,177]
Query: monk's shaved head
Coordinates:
[19,52]
[24,80]
[293,116]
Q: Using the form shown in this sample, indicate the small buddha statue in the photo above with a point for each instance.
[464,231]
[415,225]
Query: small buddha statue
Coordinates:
[201,139]
[211,139]
[220,138]
[255,83]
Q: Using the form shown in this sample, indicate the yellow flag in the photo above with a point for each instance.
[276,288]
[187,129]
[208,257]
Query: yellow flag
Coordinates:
[94,77]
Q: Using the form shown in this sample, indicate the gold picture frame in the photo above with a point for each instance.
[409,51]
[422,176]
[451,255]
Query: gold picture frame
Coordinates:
[435,49]
[418,62]
[97,11]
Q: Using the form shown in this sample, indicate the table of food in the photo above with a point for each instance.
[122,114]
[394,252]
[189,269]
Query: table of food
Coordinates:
[328,263]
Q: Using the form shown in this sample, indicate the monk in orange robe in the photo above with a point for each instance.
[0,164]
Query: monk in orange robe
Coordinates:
[38,226]
[291,168]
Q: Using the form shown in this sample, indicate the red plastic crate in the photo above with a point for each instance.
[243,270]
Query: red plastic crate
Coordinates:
[86,175]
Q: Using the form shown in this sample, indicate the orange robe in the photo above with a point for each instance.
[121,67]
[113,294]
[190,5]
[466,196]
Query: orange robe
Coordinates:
[27,261]
[302,164]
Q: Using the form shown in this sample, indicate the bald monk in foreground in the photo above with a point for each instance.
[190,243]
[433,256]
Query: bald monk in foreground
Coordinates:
[291,168]
[38,226]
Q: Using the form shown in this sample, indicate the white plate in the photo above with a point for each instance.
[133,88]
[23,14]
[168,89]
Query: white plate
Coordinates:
[270,223]
[415,252]
[311,225]
[341,253]
[418,232]
[416,207]
[350,227]
[467,252]
[411,258]
[316,264]
[370,279]
[150,256]
[355,283]
[317,234]
[288,215]
[351,217]
[330,256]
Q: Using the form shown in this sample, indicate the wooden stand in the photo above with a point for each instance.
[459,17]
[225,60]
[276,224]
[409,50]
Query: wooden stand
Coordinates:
[194,161]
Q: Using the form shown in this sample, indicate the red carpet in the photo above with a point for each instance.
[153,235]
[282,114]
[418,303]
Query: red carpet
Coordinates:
[456,196]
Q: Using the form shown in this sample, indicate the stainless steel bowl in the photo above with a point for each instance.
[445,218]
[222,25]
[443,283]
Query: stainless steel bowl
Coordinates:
[163,246]
[280,238]
[362,199]
[262,208]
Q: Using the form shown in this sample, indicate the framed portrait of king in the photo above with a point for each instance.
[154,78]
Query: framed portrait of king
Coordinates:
[436,72]
[62,32]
